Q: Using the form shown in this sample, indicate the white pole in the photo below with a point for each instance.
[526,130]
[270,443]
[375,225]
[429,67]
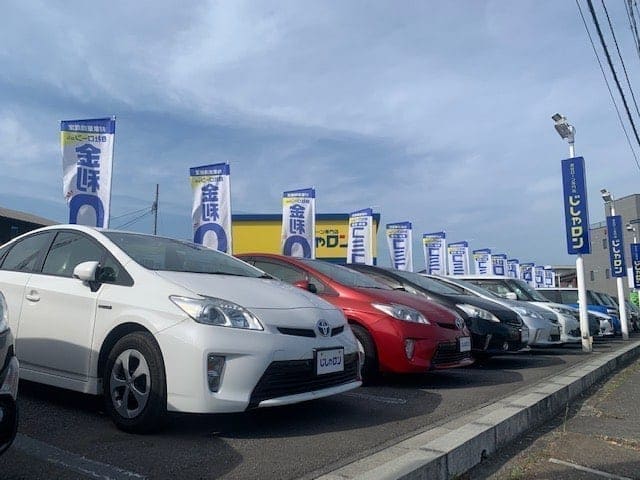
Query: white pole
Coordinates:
[621,305]
[587,341]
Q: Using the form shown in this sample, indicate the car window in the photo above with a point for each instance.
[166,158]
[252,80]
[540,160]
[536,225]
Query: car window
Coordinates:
[26,254]
[430,284]
[68,250]
[343,275]
[288,273]
[496,287]
[569,296]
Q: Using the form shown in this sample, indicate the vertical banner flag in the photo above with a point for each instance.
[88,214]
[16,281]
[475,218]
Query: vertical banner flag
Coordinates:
[87,158]
[434,245]
[458,258]
[211,210]
[616,247]
[635,264]
[526,270]
[360,242]
[299,223]
[400,248]
[549,277]
[513,268]
[576,214]
[482,261]
[538,279]
[499,264]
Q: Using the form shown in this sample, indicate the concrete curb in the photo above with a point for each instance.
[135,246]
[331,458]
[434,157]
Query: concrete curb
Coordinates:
[457,446]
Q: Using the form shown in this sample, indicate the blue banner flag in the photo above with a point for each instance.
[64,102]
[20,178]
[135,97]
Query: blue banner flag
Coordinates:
[399,240]
[499,264]
[360,241]
[513,268]
[574,191]
[458,258]
[635,263]
[616,246]
[526,270]
[482,261]
[299,223]
[434,246]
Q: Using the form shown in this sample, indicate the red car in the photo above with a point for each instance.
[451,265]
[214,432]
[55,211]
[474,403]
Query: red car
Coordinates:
[399,332]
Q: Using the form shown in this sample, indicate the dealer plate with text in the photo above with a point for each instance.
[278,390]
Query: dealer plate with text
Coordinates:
[465,344]
[329,361]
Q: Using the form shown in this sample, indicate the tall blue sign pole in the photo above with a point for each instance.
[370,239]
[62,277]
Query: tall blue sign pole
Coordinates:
[574,191]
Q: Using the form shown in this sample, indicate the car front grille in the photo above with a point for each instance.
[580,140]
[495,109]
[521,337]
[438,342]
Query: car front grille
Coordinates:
[449,353]
[307,332]
[292,377]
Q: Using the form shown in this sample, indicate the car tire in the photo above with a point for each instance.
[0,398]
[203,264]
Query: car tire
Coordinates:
[135,387]
[370,367]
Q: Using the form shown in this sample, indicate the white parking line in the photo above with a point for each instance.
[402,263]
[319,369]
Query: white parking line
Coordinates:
[72,461]
[589,470]
[377,398]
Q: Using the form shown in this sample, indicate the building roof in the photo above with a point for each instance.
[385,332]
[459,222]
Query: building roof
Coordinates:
[25,217]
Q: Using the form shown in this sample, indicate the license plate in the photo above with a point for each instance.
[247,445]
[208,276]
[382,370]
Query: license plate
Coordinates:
[525,334]
[329,361]
[465,344]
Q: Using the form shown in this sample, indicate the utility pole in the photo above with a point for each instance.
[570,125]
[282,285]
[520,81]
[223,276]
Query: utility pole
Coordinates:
[154,209]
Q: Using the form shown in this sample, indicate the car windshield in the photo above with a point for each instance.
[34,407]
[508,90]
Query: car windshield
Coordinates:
[468,286]
[522,288]
[159,253]
[430,284]
[344,275]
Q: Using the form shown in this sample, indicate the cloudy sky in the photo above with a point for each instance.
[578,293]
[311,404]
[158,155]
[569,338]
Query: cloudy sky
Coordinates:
[434,112]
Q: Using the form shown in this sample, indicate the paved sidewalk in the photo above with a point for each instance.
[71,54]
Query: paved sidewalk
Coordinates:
[598,436]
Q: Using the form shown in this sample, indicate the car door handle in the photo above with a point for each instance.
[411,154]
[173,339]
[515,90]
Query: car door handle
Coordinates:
[32,296]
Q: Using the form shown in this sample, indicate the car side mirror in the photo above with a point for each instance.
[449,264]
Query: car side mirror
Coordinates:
[305,285]
[86,271]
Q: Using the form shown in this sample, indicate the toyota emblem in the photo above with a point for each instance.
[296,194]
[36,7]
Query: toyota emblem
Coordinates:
[459,323]
[324,328]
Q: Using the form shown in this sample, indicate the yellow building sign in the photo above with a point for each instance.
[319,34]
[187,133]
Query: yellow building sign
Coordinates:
[261,234]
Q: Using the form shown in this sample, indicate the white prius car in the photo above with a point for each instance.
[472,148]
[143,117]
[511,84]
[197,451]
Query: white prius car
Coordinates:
[158,325]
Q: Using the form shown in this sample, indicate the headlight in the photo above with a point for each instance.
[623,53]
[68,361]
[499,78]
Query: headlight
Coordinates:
[215,311]
[401,312]
[477,312]
[527,313]
[4,314]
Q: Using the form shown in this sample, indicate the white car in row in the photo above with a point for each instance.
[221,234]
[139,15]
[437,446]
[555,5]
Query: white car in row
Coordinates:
[160,325]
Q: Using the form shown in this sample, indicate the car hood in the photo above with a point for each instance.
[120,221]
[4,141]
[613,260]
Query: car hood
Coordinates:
[263,293]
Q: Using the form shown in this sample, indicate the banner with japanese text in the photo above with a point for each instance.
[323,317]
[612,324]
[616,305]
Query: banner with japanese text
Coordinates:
[616,246]
[87,162]
[538,276]
[499,264]
[458,258]
[435,253]
[526,272]
[360,241]
[299,223]
[576,212]
[635,264]
[513,268]
[211,210]
[549,277]
[399,240]
[482,261]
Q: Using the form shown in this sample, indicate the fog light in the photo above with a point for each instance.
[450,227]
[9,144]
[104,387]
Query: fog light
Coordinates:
[215,365]
[409,345]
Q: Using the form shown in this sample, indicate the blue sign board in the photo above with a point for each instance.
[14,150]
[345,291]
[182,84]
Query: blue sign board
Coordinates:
[574,191]
[616,246]
[635,263]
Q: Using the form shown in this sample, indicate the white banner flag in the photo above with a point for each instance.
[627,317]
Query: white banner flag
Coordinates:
[538,276]
[458,258]
[482,261]
[87,158]
[513,268]
[434,246]
[499,264]
[526,272]
[299,223]
[211,210]
[549,277]
[400,248]
[360,242]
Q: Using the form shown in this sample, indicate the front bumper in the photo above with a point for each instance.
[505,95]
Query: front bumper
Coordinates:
[542,333]
[495,338]
[248,356]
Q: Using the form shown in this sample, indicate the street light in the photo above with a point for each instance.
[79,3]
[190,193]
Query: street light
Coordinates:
[609,200]
[568,133]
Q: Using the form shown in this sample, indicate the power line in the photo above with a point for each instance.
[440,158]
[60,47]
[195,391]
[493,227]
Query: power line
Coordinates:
[624,68]
[134,220]
[129,213]
[606,81]
[613,72]
[632,24]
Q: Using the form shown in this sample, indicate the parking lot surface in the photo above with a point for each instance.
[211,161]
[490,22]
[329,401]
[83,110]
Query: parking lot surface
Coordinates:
[67,435]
